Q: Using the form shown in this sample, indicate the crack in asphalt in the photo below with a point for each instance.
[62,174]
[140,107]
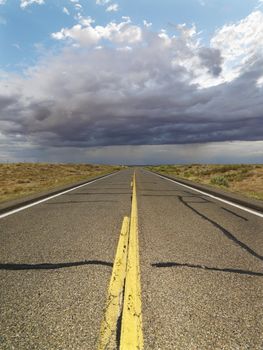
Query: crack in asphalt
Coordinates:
[228,234]
[50,266]
[204,267]
[235,214]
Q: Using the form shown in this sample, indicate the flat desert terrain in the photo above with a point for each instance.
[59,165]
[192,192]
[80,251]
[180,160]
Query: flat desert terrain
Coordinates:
[246,179]
[22,179]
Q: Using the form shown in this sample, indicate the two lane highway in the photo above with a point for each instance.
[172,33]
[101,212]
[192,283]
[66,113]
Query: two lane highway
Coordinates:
[200,261]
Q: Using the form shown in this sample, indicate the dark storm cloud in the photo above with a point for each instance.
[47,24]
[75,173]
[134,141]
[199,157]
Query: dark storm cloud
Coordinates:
[6,101]
[212,59]
[143,96]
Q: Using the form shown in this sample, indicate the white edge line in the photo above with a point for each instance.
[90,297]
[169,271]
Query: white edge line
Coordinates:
[13,211]
[251,211]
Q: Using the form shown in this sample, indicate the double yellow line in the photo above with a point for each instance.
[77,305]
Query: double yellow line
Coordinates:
[124,293]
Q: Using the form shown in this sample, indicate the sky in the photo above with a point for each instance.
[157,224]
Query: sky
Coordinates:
[131,82]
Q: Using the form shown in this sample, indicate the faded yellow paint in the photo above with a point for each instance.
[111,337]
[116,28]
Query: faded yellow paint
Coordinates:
[115,292]
[131,329]
[126,271]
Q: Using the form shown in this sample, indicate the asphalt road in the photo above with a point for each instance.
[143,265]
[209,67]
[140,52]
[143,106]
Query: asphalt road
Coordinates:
[201,268]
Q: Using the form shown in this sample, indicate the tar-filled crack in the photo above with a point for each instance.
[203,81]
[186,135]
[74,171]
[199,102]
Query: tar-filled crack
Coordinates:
[50,266]
[223,230]
[235,214]
[203,267]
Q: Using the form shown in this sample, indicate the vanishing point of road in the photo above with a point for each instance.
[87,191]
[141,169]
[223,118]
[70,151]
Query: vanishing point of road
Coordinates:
[200,262]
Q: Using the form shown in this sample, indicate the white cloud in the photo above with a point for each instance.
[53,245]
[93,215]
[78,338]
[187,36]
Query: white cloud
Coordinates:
[25,3]
[66,11]
[59,35]
[86,34]
[165,37]
[126,19]
[83,35]
[125,48]
[260,82]
[112,8]
[78,6]
[203,64]
[102,2]
[147,24]
[2,2]
[84,21]
[123,32]
[240,44]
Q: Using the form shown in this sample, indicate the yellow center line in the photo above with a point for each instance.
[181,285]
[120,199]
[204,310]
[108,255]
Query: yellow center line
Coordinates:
[131,327]
[125,277]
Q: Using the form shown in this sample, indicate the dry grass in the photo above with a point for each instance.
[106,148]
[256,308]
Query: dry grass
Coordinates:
[22,179]
[245,179]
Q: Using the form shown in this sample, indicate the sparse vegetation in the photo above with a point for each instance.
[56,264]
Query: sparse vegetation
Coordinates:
[246,179]
[22,179]
[219,180]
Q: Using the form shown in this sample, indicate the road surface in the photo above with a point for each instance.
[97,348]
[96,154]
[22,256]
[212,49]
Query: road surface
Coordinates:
[200,260]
